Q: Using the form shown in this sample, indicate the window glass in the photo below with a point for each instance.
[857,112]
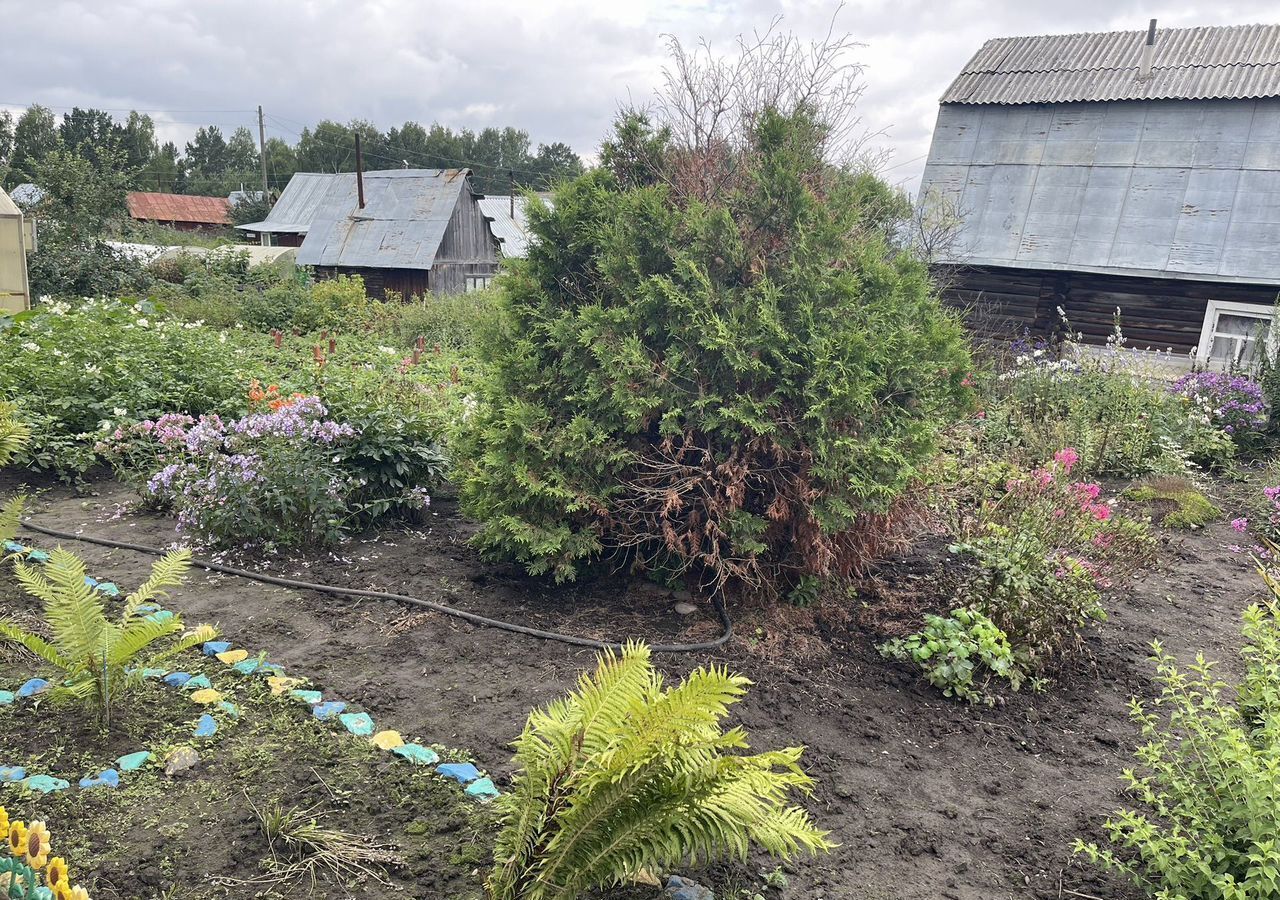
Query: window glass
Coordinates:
[1238,338]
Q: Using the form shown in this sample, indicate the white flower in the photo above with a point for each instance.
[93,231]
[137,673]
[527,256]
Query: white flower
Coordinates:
[222,337]
[143,323]
[57,352]
[31,346]
[120,412]
[91,369]
[391,350]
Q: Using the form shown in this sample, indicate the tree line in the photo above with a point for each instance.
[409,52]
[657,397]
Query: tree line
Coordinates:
[213,163]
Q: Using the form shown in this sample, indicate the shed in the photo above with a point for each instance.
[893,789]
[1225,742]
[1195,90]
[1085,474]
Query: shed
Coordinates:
[420,231]
[17,239]
[508,218]
[290,218]
[185,212]
[1137,170]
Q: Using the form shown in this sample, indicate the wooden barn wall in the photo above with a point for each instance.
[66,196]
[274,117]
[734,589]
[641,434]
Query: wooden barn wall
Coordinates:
[1157,313]
[409,283]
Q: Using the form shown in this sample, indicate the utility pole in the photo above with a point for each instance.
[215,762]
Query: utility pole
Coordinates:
[511,190]
[262,155]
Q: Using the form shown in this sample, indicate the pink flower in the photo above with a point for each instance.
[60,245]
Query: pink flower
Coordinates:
[1059,513]
[982,414]
[1103,539]
[1100,511]
[1043,476]
[1066,457]
[1241,524]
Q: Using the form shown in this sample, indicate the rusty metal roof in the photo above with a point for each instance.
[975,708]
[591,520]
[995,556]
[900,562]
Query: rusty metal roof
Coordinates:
[1208,63]
[405,217]
[293,212]
[148,207]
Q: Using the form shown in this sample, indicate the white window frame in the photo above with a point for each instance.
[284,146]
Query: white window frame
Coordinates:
[1213,309]
[478,282]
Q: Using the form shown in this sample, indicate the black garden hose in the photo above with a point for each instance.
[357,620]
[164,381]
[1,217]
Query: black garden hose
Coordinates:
[473,618]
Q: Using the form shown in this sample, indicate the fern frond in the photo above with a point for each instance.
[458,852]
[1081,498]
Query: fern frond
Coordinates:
[139,634]
[10,517]
[193,638]
[14,435]
[72,609]
[33,644]
[168,571]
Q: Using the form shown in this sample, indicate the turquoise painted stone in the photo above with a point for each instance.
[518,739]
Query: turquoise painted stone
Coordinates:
[38,556]
[359,724]
[131,762]
[177,679]
[482,789]
[416,753]
[160,617]
[45,784]
[229,708]
[213,648]
[306,696]
[42,893]
[463,773]
[6,697]
[12,773]
[153,673]
[328,709]
[148,608]
[90,581]
[32,687]
[109,588]
[195,684]
[247,666]
[14,547]
[207,726]
[107,778]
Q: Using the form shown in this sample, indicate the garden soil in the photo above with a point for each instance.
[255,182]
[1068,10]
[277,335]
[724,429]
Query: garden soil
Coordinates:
[927,798]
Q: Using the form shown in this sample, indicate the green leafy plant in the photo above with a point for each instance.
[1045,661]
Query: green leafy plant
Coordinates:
[1185,506]
[99,659]
[14,433]
[1207,823]
[626,775]
[960,653]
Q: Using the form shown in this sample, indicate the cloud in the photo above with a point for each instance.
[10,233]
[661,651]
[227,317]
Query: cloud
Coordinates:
[557,68]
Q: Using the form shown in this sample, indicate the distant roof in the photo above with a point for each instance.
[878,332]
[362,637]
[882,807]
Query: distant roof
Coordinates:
[1210,63]
[26,194]
[405,217]
[149,207]
[512,233]
[293,212]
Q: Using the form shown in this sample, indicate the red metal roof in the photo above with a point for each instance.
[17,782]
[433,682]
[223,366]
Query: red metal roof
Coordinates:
[179,208]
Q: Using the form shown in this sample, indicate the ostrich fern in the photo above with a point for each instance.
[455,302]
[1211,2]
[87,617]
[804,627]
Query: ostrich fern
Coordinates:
[14,435]
[626,775]
[99,658]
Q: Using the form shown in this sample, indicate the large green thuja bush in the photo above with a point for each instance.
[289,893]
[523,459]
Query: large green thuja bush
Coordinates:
[736,383]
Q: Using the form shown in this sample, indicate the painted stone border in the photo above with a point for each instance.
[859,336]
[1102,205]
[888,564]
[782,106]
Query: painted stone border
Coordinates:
[360,724]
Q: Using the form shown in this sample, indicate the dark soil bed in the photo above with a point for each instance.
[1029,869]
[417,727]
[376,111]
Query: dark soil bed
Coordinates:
[927,798]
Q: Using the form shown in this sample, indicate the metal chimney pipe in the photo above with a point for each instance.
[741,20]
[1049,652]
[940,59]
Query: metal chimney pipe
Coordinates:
[359,173]
[1148,52]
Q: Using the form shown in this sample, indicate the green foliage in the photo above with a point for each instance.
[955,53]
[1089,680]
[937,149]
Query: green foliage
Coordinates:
[739,387]
[15,434]
[99,659]
[452,322]
[1207,824]
[627,775]
[1190,508]
[960,653]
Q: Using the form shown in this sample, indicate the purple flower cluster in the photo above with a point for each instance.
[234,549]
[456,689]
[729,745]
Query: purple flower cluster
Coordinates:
[303,418]
[1232,402]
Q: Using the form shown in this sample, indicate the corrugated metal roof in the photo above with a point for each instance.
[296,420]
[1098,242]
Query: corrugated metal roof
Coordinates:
[293,212]
[1208,63]
[26,194]
[150,207]
[406,214]
[512,233]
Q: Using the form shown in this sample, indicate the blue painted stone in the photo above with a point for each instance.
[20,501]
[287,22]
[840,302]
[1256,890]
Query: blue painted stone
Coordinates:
[328,709]
[195,684]
[416,753]
[107,778]
[312,697]
[32,687]
[213,648]
[686,889]
[177,679]
[14,547]
[229,708]
[45,784]
[359,724]
[109,588]
[12,773]
[160,617]
[131,762]
[6,697]
[38,556]
[463,773]
[207,726]
[482,789]
[153,673]
[90,581]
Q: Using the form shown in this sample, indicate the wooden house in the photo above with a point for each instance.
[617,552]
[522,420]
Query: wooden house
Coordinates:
[290,218]
[412,231]
[1137,171]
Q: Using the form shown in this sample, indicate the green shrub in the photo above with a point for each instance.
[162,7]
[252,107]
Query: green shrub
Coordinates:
[960,653]
[1190,508]
[739,388]
[627,775]
[98,659]
[451,321]
[334,303]
[1207,824]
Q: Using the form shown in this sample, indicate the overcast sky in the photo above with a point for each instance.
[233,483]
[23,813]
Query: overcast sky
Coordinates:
[557,68]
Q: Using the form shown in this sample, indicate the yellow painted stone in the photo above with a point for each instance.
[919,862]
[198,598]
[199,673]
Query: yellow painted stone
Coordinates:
[206,696]
[387,740]
[282,684]
[231,657]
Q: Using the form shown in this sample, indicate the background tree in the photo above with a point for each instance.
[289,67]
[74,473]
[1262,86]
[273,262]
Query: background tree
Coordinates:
[6,144]
[92,135]
[35,136]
